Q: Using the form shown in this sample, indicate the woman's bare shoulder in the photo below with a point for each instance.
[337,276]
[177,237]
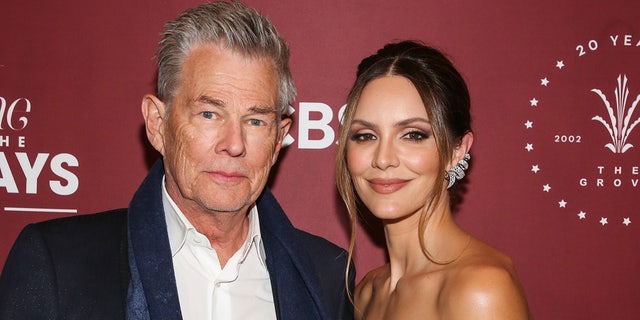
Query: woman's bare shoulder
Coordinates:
[365,288]
[370,280]
[483,285]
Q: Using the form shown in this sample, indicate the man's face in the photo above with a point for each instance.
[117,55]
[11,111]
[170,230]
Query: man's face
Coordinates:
[221,135]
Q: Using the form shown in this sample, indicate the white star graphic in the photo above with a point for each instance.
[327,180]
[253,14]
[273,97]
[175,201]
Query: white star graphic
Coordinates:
[528,124]
[603,221]
[546,188]
[562,203]
[535,168]
[626,221]
[534,102]
[529,147]
[559,64]
[582,215]
[544,82]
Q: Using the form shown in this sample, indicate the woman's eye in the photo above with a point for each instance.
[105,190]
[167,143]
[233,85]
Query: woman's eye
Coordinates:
[362,137]
[416,136]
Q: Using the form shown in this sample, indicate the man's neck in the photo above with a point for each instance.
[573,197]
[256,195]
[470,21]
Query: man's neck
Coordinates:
[226,231]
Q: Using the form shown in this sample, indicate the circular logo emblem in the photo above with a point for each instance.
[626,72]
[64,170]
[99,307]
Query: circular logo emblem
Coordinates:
[582,131]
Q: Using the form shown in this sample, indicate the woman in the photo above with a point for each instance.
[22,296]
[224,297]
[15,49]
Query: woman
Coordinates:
[405,142]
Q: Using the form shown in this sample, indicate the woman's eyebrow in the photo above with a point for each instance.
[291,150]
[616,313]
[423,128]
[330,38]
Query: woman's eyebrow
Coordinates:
[398,124]
[364,123]
[412,120]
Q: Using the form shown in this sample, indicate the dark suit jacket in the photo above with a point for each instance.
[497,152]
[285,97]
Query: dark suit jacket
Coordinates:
[103,266]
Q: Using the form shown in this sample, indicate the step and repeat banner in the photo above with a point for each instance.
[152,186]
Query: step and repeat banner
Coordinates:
[555,86]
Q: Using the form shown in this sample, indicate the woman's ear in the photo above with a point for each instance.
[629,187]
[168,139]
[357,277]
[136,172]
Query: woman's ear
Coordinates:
[153,112]
[463,148]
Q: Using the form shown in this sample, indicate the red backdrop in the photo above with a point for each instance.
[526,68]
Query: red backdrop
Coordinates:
[548,185]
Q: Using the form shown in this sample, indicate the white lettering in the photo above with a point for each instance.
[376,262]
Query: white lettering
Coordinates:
[32,172]
[9,113]
[614,39]
[59,164]
[617,182]
[306,125]
[4,141]
[341,113]
[7,180]
[72,179]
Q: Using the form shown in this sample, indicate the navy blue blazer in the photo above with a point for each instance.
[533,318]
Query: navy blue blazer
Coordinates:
[117,264]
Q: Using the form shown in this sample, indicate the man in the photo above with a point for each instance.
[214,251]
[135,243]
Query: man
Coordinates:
[202,237]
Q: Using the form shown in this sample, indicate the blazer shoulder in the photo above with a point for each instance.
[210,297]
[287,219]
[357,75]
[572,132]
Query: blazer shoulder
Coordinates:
[83,222]
[330,266]
[75,233]
[317,245]
[71,265]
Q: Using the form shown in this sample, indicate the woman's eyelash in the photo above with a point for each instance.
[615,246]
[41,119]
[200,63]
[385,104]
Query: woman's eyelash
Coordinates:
[413,135]
[416,135]
[362,136]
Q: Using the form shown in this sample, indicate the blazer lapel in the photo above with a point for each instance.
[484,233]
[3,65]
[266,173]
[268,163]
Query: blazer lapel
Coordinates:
[295,283]
[153,284]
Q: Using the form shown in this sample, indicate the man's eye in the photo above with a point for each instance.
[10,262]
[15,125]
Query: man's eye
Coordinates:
[208,114]
[256,122]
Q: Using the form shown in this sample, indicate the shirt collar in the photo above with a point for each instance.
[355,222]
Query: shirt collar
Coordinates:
[253,237]
[178,225]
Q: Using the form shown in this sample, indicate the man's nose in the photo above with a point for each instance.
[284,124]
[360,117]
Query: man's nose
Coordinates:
[231,139]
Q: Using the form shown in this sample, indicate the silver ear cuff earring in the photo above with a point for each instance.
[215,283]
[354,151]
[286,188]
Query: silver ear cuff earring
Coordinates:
[457,172]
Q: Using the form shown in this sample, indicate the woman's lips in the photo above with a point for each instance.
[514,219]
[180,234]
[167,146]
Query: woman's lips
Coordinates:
[386,186]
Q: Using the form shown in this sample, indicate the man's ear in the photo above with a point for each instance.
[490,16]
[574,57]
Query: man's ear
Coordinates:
[285,125]
[153,112]
[463,148]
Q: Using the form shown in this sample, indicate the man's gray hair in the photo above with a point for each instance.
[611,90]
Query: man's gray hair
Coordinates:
[231,24]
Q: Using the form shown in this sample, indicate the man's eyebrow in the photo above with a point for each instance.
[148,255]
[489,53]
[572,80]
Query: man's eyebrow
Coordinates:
[210,100]
[258,109]
[263,109]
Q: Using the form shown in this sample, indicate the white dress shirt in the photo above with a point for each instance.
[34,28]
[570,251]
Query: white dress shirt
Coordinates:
[239,291]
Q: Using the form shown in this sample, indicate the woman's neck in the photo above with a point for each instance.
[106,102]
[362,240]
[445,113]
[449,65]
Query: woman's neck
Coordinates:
[443,239]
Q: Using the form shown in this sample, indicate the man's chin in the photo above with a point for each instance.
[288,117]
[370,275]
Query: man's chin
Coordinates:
[226,208]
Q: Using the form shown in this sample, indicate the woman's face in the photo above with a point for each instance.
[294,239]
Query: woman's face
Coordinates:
[391,151]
